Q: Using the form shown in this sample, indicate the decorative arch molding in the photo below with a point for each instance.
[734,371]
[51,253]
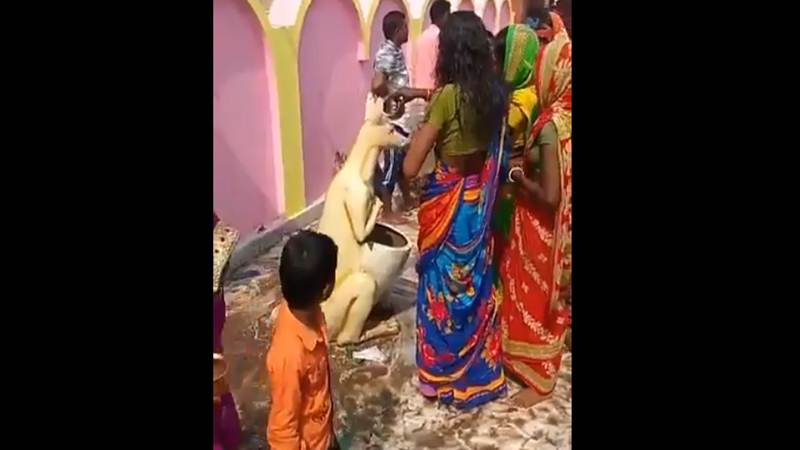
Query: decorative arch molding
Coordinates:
[284,54]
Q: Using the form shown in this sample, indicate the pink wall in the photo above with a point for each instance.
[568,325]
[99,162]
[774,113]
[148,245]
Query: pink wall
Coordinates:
[466,5]
[333,88]
[505,16]
[489,14]
[248,177]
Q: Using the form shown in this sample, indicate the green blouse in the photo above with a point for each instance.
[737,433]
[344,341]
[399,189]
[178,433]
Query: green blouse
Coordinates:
[444,112]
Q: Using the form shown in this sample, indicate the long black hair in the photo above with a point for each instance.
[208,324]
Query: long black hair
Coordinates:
[500,48]
[466,59]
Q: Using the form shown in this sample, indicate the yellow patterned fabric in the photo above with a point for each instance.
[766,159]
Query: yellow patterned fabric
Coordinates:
[225,239]
[520,112]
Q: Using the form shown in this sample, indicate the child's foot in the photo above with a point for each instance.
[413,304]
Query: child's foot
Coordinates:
[528,397]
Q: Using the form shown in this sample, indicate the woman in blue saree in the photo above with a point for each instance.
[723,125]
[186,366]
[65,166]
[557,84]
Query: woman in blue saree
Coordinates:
[458,333]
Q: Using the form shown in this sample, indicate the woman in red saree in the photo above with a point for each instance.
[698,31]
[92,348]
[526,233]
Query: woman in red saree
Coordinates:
[536,263]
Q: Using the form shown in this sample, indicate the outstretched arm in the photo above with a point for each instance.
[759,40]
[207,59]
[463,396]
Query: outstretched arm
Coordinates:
[410,93]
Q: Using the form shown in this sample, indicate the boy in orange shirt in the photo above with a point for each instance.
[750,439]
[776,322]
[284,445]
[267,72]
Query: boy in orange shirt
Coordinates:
[301,416]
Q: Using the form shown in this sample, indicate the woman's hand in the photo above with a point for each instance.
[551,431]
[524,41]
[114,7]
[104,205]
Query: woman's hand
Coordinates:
[409,93]
[394,105]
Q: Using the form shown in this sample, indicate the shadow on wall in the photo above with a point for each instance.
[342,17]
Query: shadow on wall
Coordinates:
[247,181]
[333,88]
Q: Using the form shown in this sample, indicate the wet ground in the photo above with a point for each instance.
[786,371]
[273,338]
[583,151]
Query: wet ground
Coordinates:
[378,406]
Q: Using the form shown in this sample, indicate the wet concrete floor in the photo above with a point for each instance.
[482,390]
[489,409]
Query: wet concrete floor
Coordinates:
[377,405]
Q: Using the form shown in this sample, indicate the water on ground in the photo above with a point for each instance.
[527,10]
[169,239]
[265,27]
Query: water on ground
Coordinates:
[377,405]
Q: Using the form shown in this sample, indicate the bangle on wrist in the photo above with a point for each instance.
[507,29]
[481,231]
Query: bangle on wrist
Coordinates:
[511,172]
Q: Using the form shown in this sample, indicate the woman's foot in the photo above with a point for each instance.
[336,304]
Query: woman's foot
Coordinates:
[528,397]
[427,391]
[409,204]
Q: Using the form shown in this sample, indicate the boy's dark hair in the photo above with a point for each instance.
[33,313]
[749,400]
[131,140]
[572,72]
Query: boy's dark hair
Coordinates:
[308,266]
[438,9]
[392,22]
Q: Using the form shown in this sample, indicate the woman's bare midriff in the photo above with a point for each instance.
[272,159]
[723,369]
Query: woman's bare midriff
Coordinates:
[467,164]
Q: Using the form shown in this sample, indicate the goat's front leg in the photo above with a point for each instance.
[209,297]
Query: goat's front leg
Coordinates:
[361,289]
[348,307]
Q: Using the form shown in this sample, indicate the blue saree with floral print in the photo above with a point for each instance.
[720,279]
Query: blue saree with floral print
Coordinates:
[458,331]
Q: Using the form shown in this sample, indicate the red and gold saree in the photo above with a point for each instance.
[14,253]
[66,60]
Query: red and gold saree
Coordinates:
[536,264]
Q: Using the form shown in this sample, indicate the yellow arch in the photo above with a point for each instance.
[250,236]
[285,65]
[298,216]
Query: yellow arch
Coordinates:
[285,45]
[301,18]
[284,56]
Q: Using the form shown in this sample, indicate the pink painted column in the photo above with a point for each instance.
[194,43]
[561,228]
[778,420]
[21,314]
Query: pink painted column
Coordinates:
[333,89]
[489,15]
[248,176]
[505,15]
[466,5]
